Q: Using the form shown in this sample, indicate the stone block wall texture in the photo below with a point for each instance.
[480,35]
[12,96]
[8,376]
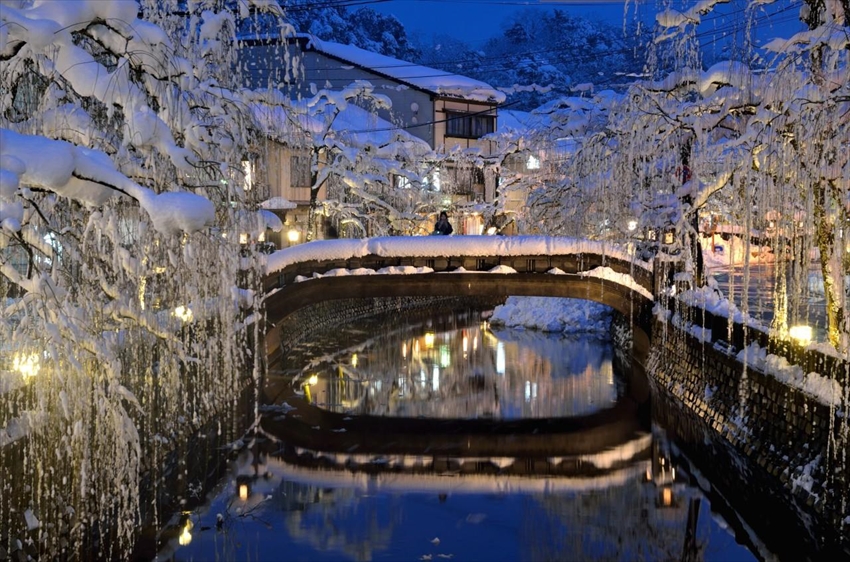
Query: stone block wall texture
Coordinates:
[315,318]
[773,447]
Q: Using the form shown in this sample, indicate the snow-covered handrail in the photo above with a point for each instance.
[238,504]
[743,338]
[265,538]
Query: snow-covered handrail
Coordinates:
[446,247]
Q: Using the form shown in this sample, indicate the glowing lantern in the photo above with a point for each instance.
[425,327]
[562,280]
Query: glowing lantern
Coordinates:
[26,364]
[186,534]
[803,334]
[184,313]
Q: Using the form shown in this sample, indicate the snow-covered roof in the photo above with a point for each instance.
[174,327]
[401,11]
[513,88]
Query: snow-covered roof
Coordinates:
[355,125]
[438,82]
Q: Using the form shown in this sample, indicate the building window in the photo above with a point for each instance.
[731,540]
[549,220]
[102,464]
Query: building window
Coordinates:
[299,171]
[469,125]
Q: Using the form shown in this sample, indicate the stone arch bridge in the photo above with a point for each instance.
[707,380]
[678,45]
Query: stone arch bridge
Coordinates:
[492,266]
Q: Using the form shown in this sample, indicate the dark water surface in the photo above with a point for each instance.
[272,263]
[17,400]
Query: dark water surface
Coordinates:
[444,439]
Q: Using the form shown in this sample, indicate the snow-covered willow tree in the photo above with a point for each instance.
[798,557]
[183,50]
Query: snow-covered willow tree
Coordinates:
[801,147]
[772,145]
[122,328]
[750,143]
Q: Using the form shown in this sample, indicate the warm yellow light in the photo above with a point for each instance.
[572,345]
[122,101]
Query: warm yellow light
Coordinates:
[261,237]
[26,364]
[354,360]
[429,339]
[243,492]
[293,235]
[313,380]
[184,313]
[803,334]
[465,343]
[243,238]
[632,225]
[491,231]
[404,350]
[186,535]
[667,497]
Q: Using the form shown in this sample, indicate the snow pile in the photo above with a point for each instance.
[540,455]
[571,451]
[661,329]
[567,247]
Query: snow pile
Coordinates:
[554,315]
[824,389]
[620,278]
[708,297]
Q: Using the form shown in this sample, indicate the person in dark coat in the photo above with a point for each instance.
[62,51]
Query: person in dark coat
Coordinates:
[443,225]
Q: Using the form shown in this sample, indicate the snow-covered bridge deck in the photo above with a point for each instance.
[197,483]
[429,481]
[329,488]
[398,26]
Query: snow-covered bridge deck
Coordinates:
[403,255]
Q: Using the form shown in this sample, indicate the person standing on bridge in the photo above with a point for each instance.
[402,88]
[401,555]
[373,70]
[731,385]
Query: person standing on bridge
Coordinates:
[443,226]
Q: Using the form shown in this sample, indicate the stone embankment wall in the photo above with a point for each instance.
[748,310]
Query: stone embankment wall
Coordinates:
[324,315]
[771,448]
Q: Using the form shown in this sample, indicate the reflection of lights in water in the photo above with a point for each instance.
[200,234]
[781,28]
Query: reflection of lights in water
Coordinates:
[435,381]
[423,377]
[530,391]
[404,350]
[667,497]
[500,358]
[243,492]
[354,360]
[186,534]
[429,340]
[475,342]
[416,347]
[445,356]
[465,342]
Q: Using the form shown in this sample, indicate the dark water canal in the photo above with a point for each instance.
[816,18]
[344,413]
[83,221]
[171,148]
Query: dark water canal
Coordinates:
[445,438]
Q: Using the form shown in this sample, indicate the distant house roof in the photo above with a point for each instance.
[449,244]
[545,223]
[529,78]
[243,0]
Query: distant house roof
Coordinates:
[355,125]
[437,82]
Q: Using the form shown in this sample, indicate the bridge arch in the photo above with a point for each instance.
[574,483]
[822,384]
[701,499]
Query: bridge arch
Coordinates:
[460,266]
[483,267]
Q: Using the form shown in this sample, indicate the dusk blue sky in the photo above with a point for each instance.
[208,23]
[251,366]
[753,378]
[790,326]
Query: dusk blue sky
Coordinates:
[475,21]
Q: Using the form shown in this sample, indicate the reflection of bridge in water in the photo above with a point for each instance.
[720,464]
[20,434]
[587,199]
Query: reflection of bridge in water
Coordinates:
[482,266]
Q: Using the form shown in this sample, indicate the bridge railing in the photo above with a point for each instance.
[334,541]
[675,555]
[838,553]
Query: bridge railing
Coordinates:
[524,254]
